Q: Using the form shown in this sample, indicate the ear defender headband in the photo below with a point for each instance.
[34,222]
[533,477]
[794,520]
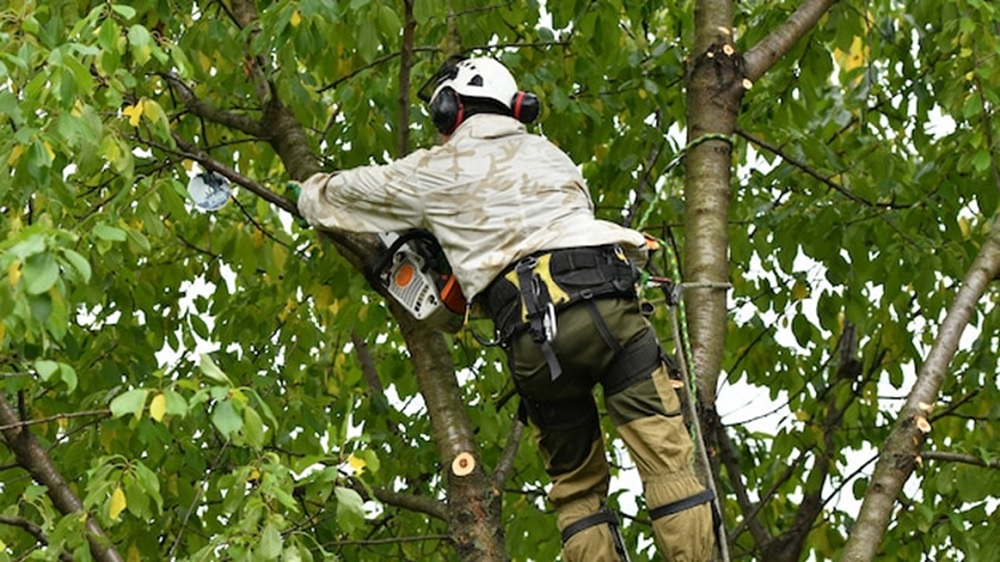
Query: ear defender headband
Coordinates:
[444,91]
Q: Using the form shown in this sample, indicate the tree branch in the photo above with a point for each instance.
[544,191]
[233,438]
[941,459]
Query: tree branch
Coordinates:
[36,421]
[506,463]
[897,458]
[191,153]
[394,540]
[405,66]
[33,458]
[413,502]
[35,531]
[809,170]
[207,111]
[762,56]
[945,456]
[789,544]
[730,459]
[380,60]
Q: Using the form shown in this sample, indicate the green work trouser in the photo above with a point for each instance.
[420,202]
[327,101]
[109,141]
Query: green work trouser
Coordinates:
[646,413]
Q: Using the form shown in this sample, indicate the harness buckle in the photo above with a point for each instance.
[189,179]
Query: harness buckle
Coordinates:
[549,322]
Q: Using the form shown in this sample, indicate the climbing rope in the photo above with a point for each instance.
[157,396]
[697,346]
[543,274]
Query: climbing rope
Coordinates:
[673,288]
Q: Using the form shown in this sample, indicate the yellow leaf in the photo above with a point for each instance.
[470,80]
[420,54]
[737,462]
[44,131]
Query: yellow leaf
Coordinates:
[296,18]
[15,154]
[279,255]
[118,503]
[14,273]
[134,113]
[963,225]
[3,331]
[357,464]
[158,407]
[800,291]
[133,554]
[204,61]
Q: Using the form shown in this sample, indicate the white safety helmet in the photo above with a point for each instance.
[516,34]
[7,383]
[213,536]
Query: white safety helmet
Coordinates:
[480,79]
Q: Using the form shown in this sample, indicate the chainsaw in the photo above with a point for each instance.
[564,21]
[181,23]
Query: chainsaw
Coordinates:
[417,275]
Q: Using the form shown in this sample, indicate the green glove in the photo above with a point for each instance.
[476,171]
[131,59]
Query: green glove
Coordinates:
[293,190]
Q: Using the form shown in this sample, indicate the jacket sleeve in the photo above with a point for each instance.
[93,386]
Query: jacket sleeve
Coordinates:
[365,199]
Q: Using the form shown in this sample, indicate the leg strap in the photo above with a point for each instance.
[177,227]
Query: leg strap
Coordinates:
[682,504]
[601,517]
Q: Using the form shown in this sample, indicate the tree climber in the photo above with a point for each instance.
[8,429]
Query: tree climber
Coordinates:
[515,220]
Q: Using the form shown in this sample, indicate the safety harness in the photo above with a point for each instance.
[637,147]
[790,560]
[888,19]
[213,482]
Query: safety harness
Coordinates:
[528,295]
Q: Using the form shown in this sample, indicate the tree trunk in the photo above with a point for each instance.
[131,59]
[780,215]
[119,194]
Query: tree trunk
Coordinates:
[474,506]
[714,90]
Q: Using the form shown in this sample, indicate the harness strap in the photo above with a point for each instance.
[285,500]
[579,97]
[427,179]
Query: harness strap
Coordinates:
[566,276]
[603,516]
[634,363]
[541,312]
[602,326]
[599,518]
[682,504]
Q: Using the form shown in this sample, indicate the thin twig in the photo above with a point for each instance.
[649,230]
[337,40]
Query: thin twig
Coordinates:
[396,540]
[36,421]
[945,456]
[194,501]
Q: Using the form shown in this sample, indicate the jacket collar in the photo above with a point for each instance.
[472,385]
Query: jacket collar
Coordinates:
[488,126]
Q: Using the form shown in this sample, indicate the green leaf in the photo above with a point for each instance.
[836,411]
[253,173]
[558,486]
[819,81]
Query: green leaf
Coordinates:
[46,369]
[271,542]
[129,402]
[126,12]
[40,273]
[68,375]
[176,404]
[253,428]
[226,419]
[110,233]
[78,262]
[142,43]
[212,371]
[350,508]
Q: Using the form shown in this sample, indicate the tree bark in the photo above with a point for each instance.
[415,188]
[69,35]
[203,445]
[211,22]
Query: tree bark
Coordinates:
[474,505]
[714,90]
[898,457]
[33,458]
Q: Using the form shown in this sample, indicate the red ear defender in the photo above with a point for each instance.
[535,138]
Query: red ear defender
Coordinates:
[525,107]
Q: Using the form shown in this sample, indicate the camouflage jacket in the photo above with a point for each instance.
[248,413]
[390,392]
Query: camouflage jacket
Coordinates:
[491,194]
